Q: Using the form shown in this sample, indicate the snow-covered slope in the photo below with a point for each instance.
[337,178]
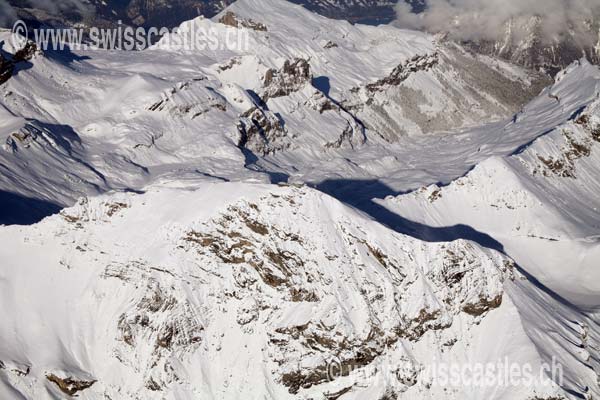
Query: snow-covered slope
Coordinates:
[539,201]
[181,270]
[525,42]
[117,120]
[245,291]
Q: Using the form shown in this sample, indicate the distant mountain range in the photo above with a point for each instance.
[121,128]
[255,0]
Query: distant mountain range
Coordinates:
[533,51]
[148,13]
[171,13]
[530,52]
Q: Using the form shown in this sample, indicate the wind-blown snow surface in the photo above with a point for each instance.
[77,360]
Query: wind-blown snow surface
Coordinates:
[184,272]
[119,120]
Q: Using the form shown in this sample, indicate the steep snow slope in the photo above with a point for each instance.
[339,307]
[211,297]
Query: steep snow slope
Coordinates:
[394,81]
[247,291]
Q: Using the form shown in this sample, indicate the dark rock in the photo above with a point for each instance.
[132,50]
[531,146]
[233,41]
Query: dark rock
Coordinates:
[290,78]
[262,131]
[483,305]
[403,71]
[69,385]
[6,69]
[230,19]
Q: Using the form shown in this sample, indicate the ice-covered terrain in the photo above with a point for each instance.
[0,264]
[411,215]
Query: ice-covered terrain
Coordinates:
[239,220]
[105,120]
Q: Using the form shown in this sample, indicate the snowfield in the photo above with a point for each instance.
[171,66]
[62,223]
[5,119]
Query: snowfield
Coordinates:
[327,213]
[243,290]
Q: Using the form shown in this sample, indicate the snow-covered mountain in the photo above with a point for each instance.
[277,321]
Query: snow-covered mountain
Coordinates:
[171,13]
[158,13]
[232,290]
[532,50]
[313,89]
[360,11]
[239,221]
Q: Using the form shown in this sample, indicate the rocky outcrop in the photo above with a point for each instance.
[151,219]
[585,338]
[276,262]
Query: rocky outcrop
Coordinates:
[8,65]
[272,259]
[353,135]
[26,53]
[69,385]
[291,77]
[230,19]
[576,146]
[180,101]
[6,69]
[404,70]
[262,131]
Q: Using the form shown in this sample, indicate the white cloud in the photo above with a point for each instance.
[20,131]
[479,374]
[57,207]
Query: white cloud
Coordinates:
[487,19]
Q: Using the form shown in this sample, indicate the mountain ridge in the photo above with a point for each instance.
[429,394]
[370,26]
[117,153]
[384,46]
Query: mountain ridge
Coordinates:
[244,222]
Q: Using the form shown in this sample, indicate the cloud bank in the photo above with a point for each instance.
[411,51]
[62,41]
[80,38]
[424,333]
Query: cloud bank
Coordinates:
[489,19]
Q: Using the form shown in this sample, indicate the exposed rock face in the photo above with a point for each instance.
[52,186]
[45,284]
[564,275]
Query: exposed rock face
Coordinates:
[6,69]
[26,53]
[530,52]
[190,99]
[262,131]
[557,168]
[195,289]
[271,255]
[187,102]
[290,78]
[381,105]
[160,325]
[69,386]
[576,146]
[536,52]
[403,71]
[229,18]
[7,66]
